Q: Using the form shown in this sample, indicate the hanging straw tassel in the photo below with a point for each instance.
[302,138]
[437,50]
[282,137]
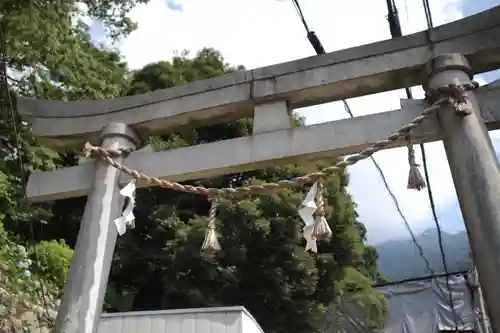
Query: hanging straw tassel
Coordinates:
[415,179]
[321,229]
[211,243]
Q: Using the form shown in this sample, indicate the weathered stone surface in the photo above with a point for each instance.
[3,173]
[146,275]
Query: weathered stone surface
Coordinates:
[335,138]
[19,315]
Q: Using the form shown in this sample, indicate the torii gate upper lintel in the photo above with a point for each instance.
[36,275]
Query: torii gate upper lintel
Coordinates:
[367,69]
[269,94]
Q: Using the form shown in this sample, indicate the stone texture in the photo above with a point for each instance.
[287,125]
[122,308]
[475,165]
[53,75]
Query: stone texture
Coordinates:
[335,138]
[18,315]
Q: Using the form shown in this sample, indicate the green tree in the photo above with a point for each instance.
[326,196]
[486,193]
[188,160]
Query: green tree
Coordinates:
[263,265]
[158,265]
[48,53]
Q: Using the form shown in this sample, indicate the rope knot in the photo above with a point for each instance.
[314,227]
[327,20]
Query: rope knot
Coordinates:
[454,95]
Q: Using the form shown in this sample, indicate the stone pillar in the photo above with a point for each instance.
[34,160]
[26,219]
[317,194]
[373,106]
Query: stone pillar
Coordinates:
[84,292]
[476,175]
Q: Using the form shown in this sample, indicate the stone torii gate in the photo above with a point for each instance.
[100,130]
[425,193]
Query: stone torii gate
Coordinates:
[448,54]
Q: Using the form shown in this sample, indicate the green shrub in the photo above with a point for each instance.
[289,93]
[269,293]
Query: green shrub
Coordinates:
[8,251]
[54,259]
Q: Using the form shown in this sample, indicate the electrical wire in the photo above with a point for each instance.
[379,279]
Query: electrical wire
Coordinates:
[301,15]
[420,278]
[396,31]
[430,25]
[375,163]
[428,14]
[22,168]
[396,204]
[395,27]
[311,35]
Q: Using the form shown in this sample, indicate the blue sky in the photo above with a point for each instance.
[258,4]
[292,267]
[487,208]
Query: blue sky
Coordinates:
[174,5]
[471,7]
[258,33]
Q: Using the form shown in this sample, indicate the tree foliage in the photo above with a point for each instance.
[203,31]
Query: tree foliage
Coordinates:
[48,53]
[52,259]
[263,265]
[50,47]
[158,265]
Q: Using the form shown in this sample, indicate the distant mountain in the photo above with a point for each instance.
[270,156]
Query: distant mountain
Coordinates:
[399,258]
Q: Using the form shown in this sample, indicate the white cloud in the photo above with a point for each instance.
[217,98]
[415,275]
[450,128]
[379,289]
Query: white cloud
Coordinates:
[263,32]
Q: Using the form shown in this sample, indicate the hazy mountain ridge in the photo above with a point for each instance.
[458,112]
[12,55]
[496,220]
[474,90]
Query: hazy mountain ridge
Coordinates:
[400,259]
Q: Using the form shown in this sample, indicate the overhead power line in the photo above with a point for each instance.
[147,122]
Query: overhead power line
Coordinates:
[396,31]
[420,278]
[315,42]
[311,35]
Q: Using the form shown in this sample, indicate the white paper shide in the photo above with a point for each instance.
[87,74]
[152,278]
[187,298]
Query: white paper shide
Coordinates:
[127,217]
[306,212]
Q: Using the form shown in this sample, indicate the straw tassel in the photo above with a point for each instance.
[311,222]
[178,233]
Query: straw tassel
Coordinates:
[415,179]
[211,243]
[321,230]
[87,150]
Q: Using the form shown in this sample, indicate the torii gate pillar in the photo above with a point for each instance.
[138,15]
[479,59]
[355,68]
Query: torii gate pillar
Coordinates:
[476,175]
[84,292]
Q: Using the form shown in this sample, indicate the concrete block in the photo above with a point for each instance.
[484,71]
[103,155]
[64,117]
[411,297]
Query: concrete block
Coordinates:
[269,117]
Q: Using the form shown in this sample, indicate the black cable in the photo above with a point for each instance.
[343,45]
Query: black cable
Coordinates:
[311,35]
[428,14]
[377,166]
[396,204]
[393,18]
[22,168]
[421,278]
[395,28]
[440,237]
[456,318]
[430,25]
[301,15]
[433,209]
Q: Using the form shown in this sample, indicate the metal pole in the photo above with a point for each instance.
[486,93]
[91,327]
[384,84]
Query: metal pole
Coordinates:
[84,292]
[476,175]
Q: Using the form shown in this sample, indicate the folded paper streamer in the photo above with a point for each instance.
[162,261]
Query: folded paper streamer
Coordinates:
[306,212]
[312,213]
[127,218]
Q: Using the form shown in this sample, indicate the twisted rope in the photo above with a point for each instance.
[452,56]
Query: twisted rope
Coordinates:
[452,94]
[321,229]
[411,153]
[415,179]
[320,201]
[212,213]
[211,243]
